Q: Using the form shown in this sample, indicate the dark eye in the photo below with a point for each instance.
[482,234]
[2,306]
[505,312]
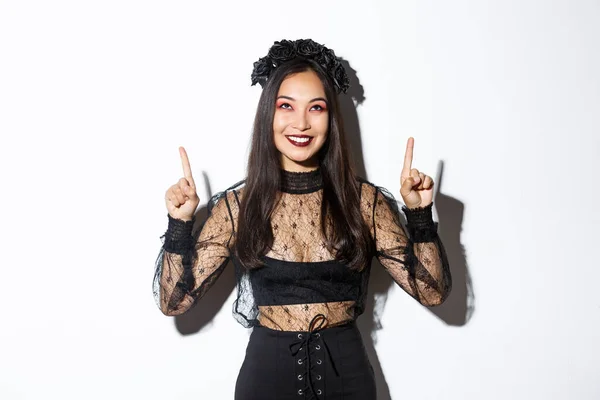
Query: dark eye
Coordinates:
[317,107]
[285,106]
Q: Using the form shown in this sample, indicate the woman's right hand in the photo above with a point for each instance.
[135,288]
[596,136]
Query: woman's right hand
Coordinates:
[181,198]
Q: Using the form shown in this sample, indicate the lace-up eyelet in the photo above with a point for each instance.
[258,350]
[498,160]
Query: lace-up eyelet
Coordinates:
[319,377]
[319,391]
[299,361]
[300,392]
[300,377]
[318,335]
[299,336]
[318,347]
[319,362]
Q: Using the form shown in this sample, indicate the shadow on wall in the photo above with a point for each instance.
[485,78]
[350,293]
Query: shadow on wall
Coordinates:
[456,310]
[458,307]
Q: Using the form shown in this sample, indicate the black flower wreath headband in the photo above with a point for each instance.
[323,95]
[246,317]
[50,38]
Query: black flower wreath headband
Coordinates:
[286,50]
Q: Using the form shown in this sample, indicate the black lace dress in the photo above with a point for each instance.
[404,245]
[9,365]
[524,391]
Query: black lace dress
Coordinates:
[303,303]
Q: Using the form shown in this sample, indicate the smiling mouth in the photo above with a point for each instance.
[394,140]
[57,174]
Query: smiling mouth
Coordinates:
[300,140]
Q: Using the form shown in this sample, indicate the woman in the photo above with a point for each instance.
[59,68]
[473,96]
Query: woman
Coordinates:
[301,231]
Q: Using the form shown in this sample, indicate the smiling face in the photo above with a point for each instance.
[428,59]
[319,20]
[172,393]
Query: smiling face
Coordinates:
[301,121]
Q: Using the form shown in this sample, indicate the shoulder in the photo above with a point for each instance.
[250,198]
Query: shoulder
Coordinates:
[234,192]
[368,195]
[227,198]
[377,199]
[369,190]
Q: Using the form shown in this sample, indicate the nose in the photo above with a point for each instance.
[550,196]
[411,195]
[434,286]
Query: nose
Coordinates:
[301,122]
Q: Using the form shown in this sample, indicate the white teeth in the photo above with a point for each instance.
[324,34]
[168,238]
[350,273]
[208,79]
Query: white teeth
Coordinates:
[299,140]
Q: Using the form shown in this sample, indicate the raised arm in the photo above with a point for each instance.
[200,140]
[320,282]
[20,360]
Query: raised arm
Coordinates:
[189,264]
[416,259]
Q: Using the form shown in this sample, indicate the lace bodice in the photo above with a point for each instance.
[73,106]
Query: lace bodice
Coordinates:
[300,278]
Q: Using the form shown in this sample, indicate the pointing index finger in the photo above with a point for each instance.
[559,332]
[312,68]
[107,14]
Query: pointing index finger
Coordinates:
[408,156]
[185,162]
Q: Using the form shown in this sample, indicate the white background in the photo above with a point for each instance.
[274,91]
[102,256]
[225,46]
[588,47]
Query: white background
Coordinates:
[96,96]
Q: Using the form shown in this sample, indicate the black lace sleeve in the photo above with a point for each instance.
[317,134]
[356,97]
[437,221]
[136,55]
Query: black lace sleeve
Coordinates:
[416,260]
[189,264]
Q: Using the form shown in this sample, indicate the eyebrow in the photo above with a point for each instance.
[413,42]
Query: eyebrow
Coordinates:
[293,99]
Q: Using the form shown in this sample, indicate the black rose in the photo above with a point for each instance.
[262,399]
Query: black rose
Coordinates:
[308,47]
[262,70]
[286,50]
[340,78]
[326,59]
[282,51]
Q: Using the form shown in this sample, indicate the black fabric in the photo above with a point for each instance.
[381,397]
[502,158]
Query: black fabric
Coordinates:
[420,224]
[178,238]
[302,305]
[301,278]
[301,182]
[277,366]
[285,282]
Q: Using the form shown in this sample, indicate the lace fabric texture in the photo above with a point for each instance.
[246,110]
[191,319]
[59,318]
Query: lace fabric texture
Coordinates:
[301,278]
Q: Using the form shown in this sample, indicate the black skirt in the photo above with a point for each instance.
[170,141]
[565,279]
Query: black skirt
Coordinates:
[325,364]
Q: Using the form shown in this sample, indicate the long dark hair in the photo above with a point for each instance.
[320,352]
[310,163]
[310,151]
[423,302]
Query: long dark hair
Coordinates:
[349,239]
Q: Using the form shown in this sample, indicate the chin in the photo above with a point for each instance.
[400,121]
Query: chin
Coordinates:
[302,161]
[301,158]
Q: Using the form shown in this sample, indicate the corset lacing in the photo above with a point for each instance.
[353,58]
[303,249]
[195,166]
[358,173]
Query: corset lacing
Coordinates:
[305,340]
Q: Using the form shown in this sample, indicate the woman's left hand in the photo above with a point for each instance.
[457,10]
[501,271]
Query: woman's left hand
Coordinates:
[416,188]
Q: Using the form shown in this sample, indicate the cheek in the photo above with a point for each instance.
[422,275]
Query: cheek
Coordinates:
[321,124]
[280,122]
